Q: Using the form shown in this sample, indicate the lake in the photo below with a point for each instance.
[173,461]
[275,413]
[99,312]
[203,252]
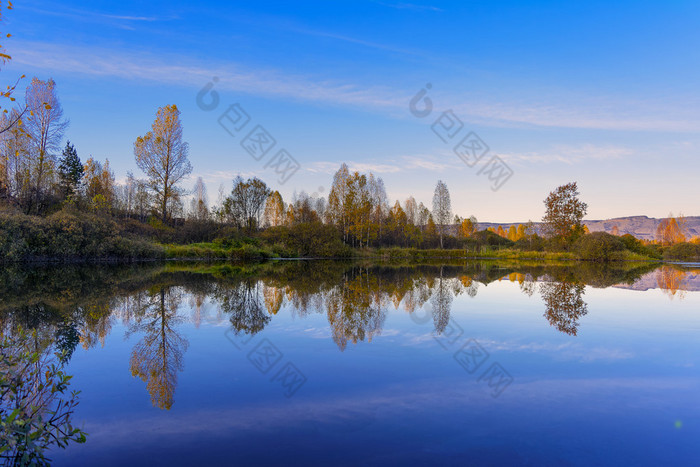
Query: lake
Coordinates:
[334,363]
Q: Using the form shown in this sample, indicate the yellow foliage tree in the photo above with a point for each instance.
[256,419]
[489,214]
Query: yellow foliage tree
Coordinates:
[163,156]
[467,228]
[670,230]
[274,210]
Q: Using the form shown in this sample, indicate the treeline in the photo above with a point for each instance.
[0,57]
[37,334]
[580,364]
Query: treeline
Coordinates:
[57,206]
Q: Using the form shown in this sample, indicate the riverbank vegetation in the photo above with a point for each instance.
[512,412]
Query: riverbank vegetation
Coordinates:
[57,207]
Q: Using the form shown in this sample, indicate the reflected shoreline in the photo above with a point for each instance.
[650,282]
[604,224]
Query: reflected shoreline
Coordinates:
[79,305]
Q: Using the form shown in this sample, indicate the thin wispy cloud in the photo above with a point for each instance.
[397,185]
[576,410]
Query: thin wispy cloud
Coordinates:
[133,18]
[570,154]
[91,16]
[353,40]
[393,165]
[239,78]
[410,6]
[102,63]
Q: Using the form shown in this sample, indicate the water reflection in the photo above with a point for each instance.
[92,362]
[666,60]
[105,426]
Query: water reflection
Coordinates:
[564,305]
[244,304]
[441,300]
[671,281]
[81,305]
[158,356]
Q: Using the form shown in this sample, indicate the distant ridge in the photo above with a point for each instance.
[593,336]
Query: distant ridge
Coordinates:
[640,226]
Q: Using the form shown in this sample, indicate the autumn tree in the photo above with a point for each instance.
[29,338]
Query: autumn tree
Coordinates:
[442,208]
[301,210]
[564,212]
[500,232]
[358,207]
[133,197]
[274,210]
[99,185]
[512,234]
[70,172]
[379,206]
[163,156]
[397,225]
[245,203]
[320,206]
[468,227]
[423,214]
[199,204]
[126,194]
[45,128]
[411,210]
[337,197]
[670,230]
[15,162]
[431,230]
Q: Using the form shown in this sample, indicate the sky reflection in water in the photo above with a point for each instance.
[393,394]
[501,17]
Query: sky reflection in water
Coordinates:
[318,363]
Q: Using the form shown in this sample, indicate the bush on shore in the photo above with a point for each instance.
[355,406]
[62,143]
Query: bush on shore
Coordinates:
[312,239]
[68,236]
[599,246]
[683,251]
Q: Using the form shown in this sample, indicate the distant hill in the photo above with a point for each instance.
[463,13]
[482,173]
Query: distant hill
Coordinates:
[640,226]
[689,281]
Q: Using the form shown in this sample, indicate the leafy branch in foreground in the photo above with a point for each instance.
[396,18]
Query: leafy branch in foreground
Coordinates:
[34,413]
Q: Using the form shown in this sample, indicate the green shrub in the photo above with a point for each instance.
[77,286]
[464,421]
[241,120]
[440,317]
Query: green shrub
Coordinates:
[68,236]
[599,246]
[488,238]
[312,239]
[683,251]
[635,245]
[530,243]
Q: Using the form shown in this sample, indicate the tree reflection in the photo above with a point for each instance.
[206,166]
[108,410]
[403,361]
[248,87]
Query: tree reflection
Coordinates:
[564,305]
[158,357]
[242,301]
[670,281]
[353,313]
[70,304]
[441,302]
[274,297]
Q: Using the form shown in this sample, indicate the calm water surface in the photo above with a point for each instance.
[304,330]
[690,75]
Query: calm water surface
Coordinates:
[321,363]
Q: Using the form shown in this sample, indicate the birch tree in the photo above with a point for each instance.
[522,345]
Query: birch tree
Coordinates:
[442,208]
[199,205]
[45,128]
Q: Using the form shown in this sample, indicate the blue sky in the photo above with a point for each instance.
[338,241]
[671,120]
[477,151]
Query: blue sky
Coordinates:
[603,95]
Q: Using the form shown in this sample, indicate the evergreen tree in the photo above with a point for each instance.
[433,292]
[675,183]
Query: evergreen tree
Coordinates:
[70,171]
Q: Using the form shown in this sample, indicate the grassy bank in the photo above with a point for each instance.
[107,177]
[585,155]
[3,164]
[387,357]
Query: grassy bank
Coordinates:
[73,236]
[412,254]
